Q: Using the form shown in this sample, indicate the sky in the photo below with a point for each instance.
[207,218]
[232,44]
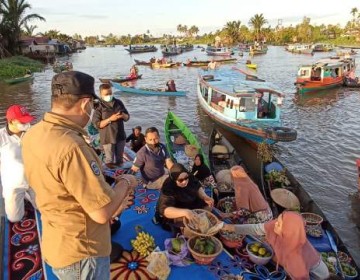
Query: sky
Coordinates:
[120,17]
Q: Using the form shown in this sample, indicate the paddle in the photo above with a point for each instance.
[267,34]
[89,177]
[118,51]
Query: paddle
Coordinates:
[334,247]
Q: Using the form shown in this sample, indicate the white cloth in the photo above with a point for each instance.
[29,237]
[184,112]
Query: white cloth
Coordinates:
[12,177]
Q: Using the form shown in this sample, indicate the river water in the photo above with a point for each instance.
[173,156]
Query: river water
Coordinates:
[322,158]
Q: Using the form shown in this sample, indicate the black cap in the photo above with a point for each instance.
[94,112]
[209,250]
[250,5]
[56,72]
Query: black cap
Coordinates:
[75,83]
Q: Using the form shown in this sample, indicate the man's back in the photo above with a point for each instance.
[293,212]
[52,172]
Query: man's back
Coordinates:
[65,175]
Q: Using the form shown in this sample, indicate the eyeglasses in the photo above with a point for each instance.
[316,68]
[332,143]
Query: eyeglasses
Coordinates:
[180,180]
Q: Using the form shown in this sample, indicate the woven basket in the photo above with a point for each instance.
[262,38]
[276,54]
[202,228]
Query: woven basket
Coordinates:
[312,218]
[202,258]
[233,241]
[213,221]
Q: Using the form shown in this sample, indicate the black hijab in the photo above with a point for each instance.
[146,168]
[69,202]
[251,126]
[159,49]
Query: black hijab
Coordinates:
[202,171]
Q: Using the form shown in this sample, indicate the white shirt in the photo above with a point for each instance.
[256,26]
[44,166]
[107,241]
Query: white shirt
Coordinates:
[12,176]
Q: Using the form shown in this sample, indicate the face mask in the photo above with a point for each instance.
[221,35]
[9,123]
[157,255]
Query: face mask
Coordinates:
[23,126]
[108,98]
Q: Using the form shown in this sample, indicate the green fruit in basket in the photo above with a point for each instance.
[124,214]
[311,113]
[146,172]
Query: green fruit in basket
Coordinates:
[176,245]
[254,248]
[262,251]
[209,249]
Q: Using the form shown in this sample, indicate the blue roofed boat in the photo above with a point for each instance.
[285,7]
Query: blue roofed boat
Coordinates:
[146,91]
[243,104]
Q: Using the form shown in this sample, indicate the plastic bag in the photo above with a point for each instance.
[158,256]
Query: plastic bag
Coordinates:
[158,265]
[177,258]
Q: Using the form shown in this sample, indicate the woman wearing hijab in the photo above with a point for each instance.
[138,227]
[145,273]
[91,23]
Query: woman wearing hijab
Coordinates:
[180,193]
[202,172]
[287,237]
[251,206]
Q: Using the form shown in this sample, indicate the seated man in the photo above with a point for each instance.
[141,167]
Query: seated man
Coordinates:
[151,160]
[13,182]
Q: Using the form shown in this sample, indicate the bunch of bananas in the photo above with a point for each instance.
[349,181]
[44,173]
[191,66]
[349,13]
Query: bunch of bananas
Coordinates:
[144,243]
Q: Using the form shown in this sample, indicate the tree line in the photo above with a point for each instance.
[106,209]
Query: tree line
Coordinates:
[15,19]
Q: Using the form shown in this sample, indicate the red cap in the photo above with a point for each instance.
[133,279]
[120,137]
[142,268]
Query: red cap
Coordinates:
[19,113]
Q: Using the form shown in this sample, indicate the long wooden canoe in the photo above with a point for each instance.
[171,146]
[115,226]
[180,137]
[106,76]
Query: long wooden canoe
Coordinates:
[174,128]
[200,63]
[19,80]
[145,91]
[247,151]
[119,79]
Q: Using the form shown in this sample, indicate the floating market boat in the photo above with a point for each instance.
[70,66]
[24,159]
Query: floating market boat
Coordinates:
[324,74]
[250,108]
[181,143]
[251,65]
[200,63]
[219,51]
[249,157]
[146,91]
[119,79]
[141,49]
[18,80]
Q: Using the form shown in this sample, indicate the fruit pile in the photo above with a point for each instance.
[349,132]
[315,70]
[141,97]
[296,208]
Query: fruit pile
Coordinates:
[176,244]
[144,243]
[348,269]
[330,262]
[204,245]
[259,250]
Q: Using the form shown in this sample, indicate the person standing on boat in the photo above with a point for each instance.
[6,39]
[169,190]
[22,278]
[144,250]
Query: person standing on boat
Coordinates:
[15,188]
[251,206]
[170,86]
[287,237]
[137,139]
[212,65]
[151,159]
[75,202]
[109,118]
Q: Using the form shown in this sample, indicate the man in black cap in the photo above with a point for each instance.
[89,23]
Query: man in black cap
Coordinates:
[75,202]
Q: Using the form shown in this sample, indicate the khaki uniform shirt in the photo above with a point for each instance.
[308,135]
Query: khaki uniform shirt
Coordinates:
[65,174]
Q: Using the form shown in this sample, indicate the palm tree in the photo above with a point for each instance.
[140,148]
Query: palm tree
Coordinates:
[232,31]
[29,30]
[257,22]
[353,12]
[14,17]
[193,30]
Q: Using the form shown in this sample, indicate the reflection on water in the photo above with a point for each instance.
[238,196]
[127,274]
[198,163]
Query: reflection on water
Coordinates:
[322,158]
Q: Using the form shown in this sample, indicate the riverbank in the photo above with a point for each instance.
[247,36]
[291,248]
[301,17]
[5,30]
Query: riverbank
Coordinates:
[17,66]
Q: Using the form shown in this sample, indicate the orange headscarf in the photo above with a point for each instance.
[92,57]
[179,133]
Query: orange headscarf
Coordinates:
[247,193]
[293,251]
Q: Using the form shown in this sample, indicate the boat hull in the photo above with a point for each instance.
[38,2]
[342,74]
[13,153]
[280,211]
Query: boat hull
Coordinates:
[140,91]
[174,126]
[19,80]
[120,80]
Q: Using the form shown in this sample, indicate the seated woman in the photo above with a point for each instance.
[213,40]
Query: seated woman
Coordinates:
[180,193]
[133,72]
[202,172]
[287,237]
[251,206]
[137,139]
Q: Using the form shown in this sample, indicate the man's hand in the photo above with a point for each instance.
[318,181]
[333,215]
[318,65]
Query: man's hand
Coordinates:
[115,117]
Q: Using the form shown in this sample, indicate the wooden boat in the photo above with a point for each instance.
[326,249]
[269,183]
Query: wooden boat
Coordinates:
[250,108]
[321,47]
[324,74]
[18,80]
[174,128]
[258,49]
[186,47]
[158,65]
[219,51]
[353,83]
[200,63]
[141,49]
[141,62]
[59,67]
[300,48]
[120,79]
[251,65]
[169,50]
[247,152]
[146,91]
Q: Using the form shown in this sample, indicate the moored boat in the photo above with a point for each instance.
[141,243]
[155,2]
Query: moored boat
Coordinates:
[258,49]
[200,63]
[141,62]
[219,51]
[146,91]
[178,137]
[157,65]
[141,49]
[324,74]
[119,79]
[250,108]
[169,50]
[19,80]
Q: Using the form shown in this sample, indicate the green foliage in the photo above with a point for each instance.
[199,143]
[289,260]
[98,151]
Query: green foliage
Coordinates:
[278,178]
[17,66]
